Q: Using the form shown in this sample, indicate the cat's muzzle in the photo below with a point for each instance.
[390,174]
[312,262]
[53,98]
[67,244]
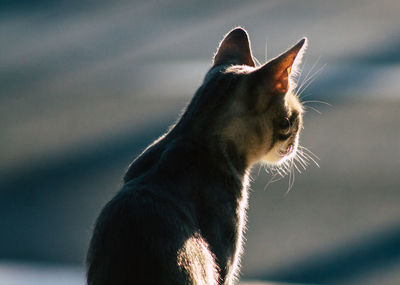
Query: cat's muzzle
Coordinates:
[288,150]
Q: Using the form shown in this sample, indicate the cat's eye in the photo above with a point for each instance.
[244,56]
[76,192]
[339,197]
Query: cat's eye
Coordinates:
[285,126]
[285,129]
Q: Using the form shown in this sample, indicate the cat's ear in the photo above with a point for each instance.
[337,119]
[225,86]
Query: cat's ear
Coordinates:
[235,49]
[278,70]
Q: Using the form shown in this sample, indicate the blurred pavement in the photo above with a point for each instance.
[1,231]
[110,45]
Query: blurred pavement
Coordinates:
[85,87]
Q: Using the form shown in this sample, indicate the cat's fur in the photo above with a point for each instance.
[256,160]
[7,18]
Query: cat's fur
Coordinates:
[180,215]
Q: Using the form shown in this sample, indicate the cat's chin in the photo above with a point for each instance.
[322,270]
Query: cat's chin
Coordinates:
[273,159]
[279,154]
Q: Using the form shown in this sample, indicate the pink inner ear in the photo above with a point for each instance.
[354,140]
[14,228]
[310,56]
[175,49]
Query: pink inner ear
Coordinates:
[282,81]
[278,69]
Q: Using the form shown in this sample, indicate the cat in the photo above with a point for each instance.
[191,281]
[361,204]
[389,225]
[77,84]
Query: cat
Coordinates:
[180,215]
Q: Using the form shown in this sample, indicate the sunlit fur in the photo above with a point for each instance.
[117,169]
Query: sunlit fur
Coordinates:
[240,127]
[273,157]
[196,258]
[292,102]
[180,216]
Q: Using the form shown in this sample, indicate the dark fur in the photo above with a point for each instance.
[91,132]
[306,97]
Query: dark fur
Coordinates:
[183,200]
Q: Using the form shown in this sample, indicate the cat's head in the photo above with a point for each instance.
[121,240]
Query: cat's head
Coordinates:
[252,111]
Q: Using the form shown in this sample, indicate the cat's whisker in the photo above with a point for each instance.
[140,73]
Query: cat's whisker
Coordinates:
[270,181]
[312,108]
[266,168]
[316,101]
[311,77]
[303,148]
[291,181]
[280,172]
[301,73]
[300,155]
[259,169]
[293,176]
[251,179]
[290,166]
[295,166]
[300,150]
[274,169]
[306,96]
[308,73]
[304,156]
[310,81]
[283,169]
[283,172]
[301,162]
[256,61]
[288,163]
[266,49]
[285,166]
[282,175]
[312,159]
[304,159]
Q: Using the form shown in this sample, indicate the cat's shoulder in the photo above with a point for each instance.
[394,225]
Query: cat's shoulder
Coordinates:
[143,207]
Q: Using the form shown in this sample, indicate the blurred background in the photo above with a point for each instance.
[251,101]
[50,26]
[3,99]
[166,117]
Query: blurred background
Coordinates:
[86,85]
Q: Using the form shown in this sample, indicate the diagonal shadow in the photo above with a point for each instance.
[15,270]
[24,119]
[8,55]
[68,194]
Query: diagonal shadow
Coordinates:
[343,264]
[47,209]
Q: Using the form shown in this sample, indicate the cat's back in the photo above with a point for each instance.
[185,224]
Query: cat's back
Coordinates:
[139,233]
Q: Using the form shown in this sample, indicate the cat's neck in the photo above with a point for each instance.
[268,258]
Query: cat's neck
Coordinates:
[222,156]
[219,153]
[216,148]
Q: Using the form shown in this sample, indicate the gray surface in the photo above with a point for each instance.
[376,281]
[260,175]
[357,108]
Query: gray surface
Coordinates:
[341,221]
[85,87]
